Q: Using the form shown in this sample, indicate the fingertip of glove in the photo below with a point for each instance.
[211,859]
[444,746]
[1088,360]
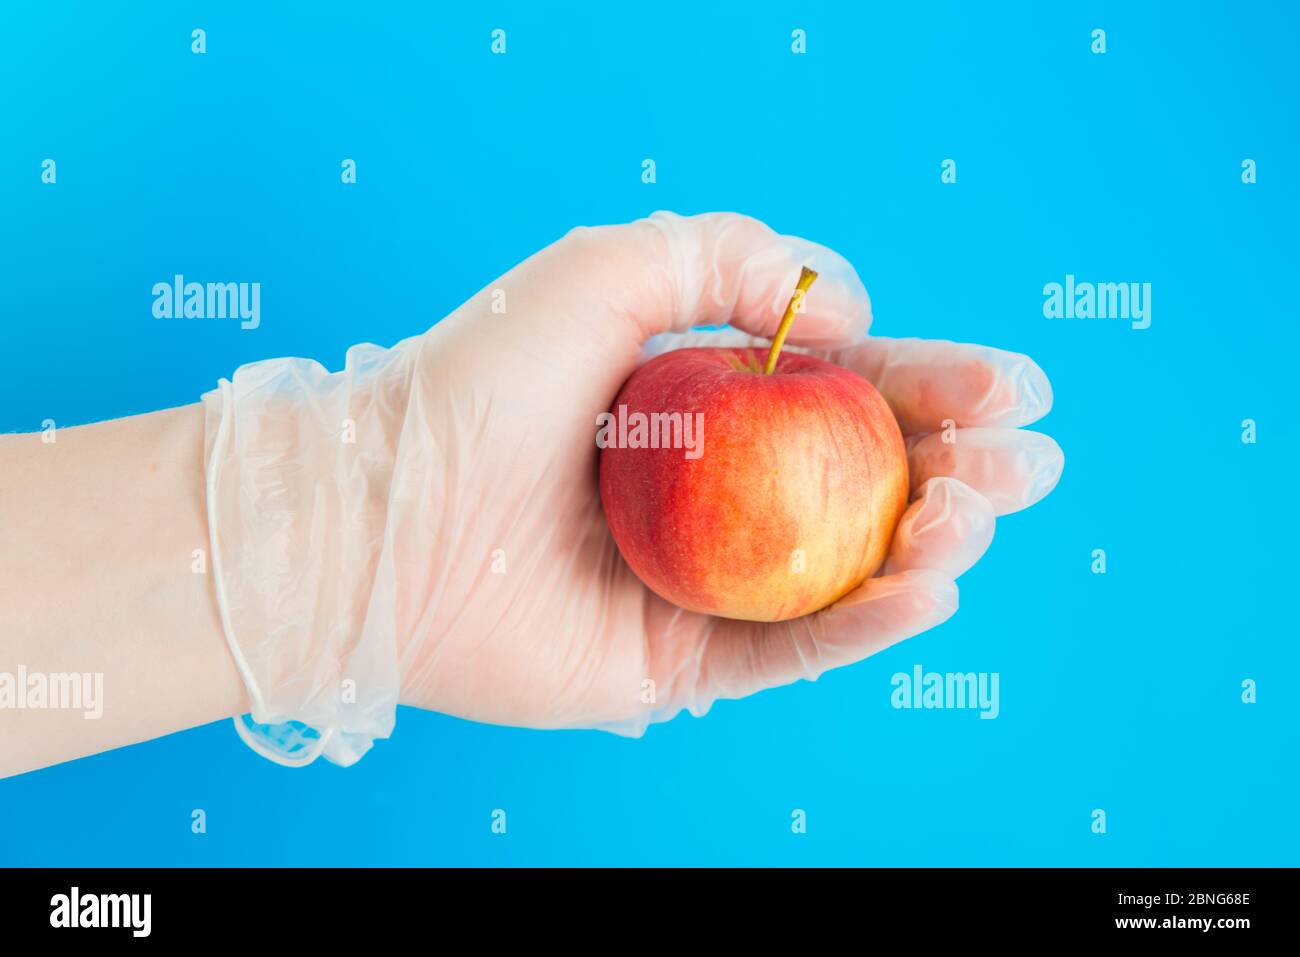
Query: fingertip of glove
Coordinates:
[1048,468]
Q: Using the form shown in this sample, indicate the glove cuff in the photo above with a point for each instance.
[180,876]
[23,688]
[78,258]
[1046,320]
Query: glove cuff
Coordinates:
[299,465]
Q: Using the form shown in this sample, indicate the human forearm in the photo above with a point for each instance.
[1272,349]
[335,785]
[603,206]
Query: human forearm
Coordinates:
[99,577]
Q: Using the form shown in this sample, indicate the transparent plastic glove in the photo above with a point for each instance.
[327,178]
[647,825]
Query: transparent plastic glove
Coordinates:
[425,526]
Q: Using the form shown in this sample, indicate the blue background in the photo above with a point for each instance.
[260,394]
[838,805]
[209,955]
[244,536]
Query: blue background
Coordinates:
[1119,691]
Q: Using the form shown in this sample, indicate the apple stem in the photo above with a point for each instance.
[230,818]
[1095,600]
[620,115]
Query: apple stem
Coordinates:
[806,277]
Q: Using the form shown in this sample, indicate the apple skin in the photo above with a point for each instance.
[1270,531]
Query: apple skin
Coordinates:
[809,457]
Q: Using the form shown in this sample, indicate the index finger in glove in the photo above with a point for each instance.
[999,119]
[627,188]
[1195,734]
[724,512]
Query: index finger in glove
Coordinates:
[931,383]
[674,272]
[928,383]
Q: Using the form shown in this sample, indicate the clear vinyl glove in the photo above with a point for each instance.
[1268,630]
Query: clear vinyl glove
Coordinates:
[425,527]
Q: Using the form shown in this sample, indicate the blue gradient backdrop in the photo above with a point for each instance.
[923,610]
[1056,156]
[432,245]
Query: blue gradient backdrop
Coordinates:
[1119,692]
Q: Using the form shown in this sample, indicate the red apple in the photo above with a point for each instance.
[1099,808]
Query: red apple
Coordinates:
[762,490]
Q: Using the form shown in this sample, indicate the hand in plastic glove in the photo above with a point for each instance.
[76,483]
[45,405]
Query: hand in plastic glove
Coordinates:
[427,523]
